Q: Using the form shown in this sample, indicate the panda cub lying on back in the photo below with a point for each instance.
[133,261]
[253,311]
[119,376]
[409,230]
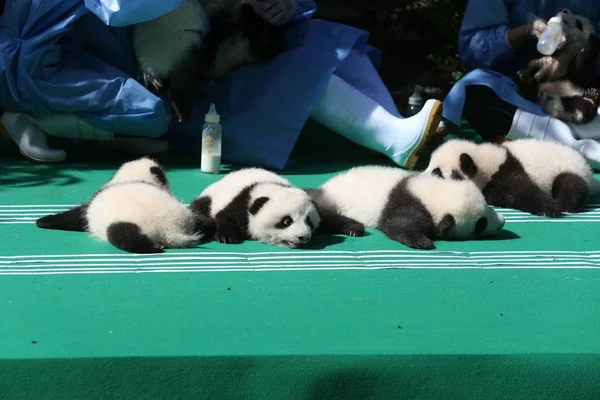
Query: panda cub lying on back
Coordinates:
[136,212]
[410,208]
[536,176]
[564,82]
[256,204]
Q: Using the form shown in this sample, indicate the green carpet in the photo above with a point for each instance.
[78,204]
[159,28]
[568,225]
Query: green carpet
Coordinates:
[514,317]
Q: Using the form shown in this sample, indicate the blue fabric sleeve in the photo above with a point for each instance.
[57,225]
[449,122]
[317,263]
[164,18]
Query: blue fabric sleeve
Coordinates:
[482,35]
[128,12]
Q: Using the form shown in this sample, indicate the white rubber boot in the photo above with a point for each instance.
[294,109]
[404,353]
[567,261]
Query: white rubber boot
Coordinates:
[527,124]
[590,130]
[346,111]
[31,139]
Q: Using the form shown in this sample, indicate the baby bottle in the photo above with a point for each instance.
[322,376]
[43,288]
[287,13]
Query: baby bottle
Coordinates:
[415,103]
[550,38]
[210,161]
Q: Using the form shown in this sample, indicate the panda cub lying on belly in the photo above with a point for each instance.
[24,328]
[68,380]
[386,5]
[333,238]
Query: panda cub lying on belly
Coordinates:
[256,204]
[136,212]
[410,208]
[564,82]
[536,176]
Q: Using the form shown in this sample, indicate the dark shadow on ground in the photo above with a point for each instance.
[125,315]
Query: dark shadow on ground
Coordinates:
[318,151]
[503,235]
[319,377]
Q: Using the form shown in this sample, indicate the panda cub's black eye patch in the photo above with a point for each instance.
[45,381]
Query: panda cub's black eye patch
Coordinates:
[437,172]
[579,24]
[480,225]
[285,222]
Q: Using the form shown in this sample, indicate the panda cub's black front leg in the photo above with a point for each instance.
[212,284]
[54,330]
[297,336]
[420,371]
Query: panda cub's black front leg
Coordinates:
[412,228]
[228,230]
[522,194]
[412,236]
[332,221]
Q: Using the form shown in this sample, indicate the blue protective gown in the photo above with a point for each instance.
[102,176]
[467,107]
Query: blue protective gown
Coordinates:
[75,56]
[483,48]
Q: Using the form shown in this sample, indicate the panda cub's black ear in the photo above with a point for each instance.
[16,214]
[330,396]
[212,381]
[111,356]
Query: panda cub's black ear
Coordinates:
[257,205]
[159,174]
[446,225]
[467,165]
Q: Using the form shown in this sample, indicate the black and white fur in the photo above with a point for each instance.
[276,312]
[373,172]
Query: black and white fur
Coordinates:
[410,208]
[136,212]
[177,51]
[239,37]
[256,204]
[536,176]
[564,82]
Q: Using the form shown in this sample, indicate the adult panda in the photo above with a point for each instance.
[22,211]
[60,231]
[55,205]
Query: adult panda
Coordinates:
[198,41]
[408,207]
[136,212]
[536,176]
[257,204]
[564,82]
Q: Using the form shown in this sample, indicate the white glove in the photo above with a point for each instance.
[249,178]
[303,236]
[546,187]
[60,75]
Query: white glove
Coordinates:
[276,12]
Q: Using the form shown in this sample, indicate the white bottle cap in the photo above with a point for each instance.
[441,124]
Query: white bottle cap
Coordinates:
[212,115]
[415,98]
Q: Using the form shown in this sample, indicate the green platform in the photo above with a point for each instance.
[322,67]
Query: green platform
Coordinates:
[517,317]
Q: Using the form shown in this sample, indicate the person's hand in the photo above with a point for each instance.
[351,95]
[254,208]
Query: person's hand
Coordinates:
[537,26]
[276,12]
[517,36]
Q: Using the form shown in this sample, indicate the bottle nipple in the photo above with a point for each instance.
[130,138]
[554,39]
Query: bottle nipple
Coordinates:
[212,115]
[415,98]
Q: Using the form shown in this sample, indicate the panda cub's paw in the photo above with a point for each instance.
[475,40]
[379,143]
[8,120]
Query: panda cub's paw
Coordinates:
[591,94]
[228,234]
[537,26]
[420,242]
[415,241]
[354,229]
[550,210]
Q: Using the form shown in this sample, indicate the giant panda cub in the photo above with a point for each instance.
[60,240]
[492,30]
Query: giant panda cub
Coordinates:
[410,208]
[536,176]
[256,204]
[201,40]
[136,212]
[564,82]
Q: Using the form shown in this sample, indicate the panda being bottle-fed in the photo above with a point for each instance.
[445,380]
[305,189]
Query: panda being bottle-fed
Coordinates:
[210,161]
